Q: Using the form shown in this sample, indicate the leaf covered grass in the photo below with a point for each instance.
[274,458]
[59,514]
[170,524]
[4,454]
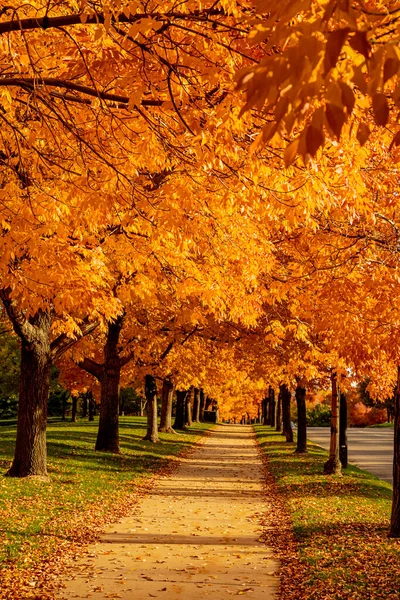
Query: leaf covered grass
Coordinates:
[329,531]
[44,524]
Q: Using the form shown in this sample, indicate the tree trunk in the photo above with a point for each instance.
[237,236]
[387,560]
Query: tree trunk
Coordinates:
[264,406]
[343,451]
[74,409]
[63,406]
[287,426]
[278,426]
[92,407]
[166,407]
[151,409]
[272,404]
[202,405]
[395,518]
[84,405]
[30,446]
[121,405]
[188,408]
[180,410]
[301,419]
[196,406]
[108,433]
[332,465]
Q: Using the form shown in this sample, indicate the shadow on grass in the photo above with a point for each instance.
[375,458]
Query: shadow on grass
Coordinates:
[355,530]
[354,483]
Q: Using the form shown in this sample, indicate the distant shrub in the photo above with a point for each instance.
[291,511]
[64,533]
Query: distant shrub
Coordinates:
[319,416]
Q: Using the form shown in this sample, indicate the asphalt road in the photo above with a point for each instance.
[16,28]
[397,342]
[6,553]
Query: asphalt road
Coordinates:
[369,449]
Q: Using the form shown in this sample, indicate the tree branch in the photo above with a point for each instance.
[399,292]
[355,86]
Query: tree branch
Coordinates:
[91,366]
[100,18]
[31,83]
[63,343]
[21,325]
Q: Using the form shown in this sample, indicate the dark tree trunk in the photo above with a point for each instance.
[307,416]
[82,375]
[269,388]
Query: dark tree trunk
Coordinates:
[301,419]
[108,433]
[151,409]
[278,426]
[287,426]
[180,410]
[264,411]
[395,518]
[202,405]
[84,405]
[332,465]
[188,408]
[167,396]
[63,406]
[37,356]
[196,406]
[92,407]
[272,403]
[343,451]
[74,409]
[30,446]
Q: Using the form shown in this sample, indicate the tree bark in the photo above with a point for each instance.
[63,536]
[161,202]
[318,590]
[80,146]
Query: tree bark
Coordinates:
[92,407]
[264,411]
[30,447]
[395,517]
[333,465]
[38,353]
[63,407]
[151,408]
[202,405]
[109,378]
[287,427]
[84,405]
[343,450]
[278,426]
[301,419]
[188,408]
[74,409]
[180,410]
[196,406]
[167,396]
[272,404]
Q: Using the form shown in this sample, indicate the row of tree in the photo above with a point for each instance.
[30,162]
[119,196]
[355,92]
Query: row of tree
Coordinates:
[154,227]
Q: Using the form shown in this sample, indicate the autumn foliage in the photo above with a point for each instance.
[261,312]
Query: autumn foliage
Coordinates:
[199,193]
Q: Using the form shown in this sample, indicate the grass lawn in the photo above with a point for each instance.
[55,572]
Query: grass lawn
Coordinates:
[44,524]
[332,530]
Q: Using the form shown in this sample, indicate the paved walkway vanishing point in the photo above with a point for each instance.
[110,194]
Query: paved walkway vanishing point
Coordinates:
[194,536]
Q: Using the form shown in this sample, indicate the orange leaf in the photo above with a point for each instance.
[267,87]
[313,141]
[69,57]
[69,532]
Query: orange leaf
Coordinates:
[334,45]
[335,118]
[363,133]
[381,109]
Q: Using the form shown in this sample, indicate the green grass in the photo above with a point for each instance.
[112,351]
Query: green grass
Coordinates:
[338,524]
[86,488]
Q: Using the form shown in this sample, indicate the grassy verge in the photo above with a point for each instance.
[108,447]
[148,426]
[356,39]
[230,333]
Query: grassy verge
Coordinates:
[42,524]
[332,531]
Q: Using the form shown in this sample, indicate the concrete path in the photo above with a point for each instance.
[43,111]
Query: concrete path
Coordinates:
[370,449]
[194,536]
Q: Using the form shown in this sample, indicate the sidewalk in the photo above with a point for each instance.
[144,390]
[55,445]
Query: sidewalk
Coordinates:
[195,535]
